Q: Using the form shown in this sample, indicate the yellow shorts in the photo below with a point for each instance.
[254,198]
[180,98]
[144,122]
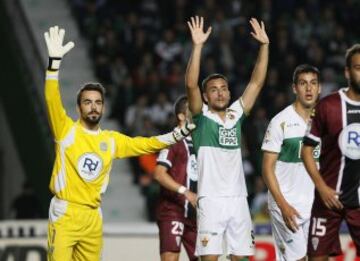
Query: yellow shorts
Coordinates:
[74,232]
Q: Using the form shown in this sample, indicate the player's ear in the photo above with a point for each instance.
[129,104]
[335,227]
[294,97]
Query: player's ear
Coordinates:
[103,107]
[294,88]
[181,116]
[347,73]
[78,109]
[204,97]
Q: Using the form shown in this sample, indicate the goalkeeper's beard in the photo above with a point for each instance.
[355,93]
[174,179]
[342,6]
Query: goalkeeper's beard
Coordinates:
[92,120]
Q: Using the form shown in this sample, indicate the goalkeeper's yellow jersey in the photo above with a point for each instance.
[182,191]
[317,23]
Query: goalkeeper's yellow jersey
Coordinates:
[83,157]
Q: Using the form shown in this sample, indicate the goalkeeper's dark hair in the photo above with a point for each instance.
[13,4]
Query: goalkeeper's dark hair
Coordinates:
[305,68]
[91,86]
[180,106]
[212,77]
[355,49]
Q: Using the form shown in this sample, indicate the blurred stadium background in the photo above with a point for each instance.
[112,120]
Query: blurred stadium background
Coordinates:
[138,50]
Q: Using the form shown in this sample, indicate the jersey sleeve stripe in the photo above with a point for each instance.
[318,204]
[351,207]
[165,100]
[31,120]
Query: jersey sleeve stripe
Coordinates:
[164,163]
[311,140]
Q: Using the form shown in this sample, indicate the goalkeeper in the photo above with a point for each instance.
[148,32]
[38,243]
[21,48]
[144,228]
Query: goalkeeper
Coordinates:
[84,155]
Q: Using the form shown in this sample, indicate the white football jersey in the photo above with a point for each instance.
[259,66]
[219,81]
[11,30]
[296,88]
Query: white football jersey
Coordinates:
[284,136]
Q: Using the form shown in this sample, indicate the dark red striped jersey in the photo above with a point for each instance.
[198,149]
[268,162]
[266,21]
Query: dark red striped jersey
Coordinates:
[336,124]
[180,161]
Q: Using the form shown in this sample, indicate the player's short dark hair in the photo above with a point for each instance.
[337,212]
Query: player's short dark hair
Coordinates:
[180,105]
[91,86]
[212,77]
[355,49]
[305,68]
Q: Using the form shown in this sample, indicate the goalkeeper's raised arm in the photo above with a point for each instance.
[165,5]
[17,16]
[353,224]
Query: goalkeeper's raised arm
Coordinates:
[59,121]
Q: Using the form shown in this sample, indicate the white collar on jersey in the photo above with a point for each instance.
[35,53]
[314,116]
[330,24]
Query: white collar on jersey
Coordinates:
[346,98]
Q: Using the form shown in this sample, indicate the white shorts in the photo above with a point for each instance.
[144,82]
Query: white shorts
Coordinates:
[224,218]
[289,245]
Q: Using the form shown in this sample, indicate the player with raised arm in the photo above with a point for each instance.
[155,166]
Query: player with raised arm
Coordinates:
[84,156]
[336,126]
[176,171]
[291,191]
[223,211]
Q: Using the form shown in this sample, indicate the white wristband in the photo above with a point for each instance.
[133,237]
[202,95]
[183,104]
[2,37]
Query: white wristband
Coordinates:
[181,190]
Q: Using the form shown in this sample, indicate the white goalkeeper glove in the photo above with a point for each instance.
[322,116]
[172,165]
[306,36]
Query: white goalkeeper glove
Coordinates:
[177,134]
[54,41]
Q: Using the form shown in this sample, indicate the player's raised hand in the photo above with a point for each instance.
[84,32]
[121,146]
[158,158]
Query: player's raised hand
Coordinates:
[196,26]
[289,216]
[259,32]
[54,41]
[330,197]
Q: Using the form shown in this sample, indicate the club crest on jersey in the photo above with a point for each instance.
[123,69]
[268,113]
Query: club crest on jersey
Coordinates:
[230,116]
[204,241]
[349,141]
[191,168]
[315,242]
[316,152]
[228,137]
[89,166]
[267,135]
[282,247]
[103,146]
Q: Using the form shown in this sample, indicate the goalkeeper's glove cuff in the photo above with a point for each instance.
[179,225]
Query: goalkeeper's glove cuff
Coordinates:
[54,64]
[177,134]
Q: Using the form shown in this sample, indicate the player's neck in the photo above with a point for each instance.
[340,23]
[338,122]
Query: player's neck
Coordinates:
[302,111]
[221,113]
[353,95]
[90,127]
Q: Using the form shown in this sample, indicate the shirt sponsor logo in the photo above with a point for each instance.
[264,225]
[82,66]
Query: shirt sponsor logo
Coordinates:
[89,166]
[290,125]
[228,137]
[349,141]
[353,111]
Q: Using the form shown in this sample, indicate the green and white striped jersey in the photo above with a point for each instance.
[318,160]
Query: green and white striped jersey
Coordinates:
[284,136]
[217,146]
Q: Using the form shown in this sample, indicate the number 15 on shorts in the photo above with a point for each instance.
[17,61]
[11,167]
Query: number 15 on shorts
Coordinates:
[318,227]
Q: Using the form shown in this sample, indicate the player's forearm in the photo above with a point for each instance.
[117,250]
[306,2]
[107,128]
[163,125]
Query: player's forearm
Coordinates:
[193,67]
[55,109]
[311,167]
[257,79]
[52,93]
[259,72]
[273,186]
[192,80]
[268,172]
[165,179]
